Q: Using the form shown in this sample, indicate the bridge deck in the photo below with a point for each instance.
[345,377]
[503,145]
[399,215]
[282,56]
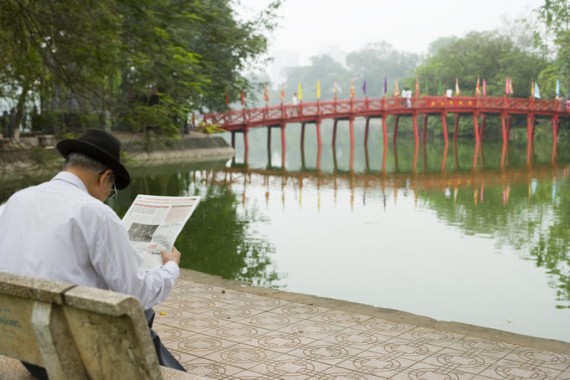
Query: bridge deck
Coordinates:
[237,120]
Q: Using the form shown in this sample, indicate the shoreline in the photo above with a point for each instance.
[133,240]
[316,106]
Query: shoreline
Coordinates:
[20,161]
[393,315]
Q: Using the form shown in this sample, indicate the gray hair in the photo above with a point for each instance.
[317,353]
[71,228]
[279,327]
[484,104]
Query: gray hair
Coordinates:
[85,162]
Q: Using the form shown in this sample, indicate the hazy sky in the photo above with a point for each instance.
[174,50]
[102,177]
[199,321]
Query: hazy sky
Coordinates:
[310,26]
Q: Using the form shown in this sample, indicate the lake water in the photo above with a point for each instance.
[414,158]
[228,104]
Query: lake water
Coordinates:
[480,237]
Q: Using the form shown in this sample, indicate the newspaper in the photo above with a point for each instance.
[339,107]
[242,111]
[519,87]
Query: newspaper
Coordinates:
[154,222]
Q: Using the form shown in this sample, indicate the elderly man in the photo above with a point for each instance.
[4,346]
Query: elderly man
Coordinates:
[62,230]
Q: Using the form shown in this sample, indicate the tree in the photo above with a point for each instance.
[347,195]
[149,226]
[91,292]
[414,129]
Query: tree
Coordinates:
[113,56]
[484,55]
[322,68]
[377,61]
[555,15]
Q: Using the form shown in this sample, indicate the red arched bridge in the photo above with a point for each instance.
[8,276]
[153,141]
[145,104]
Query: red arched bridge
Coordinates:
[478,107]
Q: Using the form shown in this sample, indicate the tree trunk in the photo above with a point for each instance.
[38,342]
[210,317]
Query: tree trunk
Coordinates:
[20,111]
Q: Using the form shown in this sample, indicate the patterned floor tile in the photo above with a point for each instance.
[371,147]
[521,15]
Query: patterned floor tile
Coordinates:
[290,367]
[449,360]
[244,356]
[223,333]
[423,371]
[534,358]
[211,369]
[476,346]
[312,329]
[377,365]
[341,318]
[328,353]
[383,327]
[514,370]
[300,311]
[337,373]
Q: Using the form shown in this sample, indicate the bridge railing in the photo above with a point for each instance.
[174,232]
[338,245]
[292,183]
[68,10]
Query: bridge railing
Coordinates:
[346,108]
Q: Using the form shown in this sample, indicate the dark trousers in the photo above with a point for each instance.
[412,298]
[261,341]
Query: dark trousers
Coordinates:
[165,358]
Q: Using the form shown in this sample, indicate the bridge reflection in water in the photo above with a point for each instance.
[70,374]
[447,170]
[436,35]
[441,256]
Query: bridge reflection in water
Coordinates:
[418,174]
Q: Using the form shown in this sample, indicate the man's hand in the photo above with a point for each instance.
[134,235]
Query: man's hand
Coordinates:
[173,255]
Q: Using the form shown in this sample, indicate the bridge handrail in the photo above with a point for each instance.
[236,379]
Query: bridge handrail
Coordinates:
[349,108]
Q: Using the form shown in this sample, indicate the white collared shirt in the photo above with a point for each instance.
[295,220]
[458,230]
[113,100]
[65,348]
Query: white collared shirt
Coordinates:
[57,231]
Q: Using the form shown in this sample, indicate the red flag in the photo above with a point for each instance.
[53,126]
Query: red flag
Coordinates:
[282,94]
[242,98]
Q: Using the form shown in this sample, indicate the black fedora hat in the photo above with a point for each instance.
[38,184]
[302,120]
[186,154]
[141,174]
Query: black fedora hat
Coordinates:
[100,146]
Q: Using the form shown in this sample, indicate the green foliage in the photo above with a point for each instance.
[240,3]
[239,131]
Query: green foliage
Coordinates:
[111,56]
[555,14]
[483,55]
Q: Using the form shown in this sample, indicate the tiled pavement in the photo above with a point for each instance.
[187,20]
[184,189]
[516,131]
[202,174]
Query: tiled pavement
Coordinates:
[221,329]
[224,330]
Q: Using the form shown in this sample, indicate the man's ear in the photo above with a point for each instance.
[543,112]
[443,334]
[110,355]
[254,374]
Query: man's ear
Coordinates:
[103,178]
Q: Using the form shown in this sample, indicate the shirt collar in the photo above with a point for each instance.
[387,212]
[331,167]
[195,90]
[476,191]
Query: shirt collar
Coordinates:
[70,178]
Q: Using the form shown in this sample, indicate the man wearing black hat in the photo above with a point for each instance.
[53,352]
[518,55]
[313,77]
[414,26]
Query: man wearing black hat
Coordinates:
[61,229]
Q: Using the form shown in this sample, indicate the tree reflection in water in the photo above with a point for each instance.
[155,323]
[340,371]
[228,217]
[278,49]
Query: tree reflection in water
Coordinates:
[216,239]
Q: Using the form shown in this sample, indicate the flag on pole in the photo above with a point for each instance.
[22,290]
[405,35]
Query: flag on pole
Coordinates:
[484,87]
[265,94]
[478,88]
[352,88]
[242,96]
[318,89]
[335,91]
[227,101]
[364,87]
[510,86]
[536,91]
[457,90]
[396,89]
[417,89]
[282,93]
[385,85]
[299,92]
[557,88]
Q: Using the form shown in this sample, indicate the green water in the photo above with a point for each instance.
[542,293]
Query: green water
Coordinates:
[475,236]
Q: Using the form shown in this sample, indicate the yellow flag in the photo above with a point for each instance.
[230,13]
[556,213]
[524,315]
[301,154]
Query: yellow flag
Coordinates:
[318,89]
[299,91]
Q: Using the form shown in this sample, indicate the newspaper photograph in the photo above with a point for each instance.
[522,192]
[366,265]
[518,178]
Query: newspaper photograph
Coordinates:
[154,222]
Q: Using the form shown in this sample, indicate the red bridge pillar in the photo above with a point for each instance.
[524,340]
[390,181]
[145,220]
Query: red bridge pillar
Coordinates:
[384,131]
[443,117]
[396,120]
[476,128]
[415,125]
[283,145]
[366,131]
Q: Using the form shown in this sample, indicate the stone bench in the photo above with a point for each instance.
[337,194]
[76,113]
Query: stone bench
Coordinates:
[75,332]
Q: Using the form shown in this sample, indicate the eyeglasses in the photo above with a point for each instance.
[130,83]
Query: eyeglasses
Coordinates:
[113,190]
